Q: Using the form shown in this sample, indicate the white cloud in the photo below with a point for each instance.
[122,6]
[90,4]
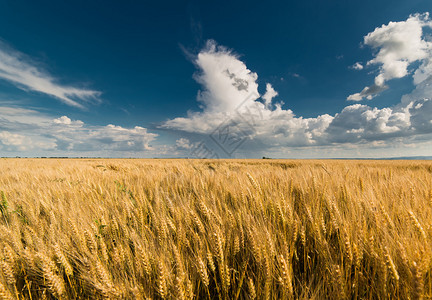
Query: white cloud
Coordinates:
[368,92]
[183,143]
[29,130]
[18,69]
[226,80]
[276,128]
[18,115]
[67,121]
[423,72]
[357,66]
[230,94]
[11,139]
[363,123]
[269,94]
[13,142]
[398,45]
[77,136]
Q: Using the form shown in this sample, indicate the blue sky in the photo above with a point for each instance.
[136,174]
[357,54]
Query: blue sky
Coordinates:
[181,78]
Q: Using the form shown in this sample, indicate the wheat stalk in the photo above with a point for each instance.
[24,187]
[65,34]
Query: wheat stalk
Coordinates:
[55,283]
[417,224]
[162,285]
[62,260]
[202,270]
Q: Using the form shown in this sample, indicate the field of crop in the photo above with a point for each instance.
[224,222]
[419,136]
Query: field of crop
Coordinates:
[221,229]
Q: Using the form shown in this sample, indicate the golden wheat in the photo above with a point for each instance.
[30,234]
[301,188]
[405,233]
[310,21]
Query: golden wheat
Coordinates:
[215,229]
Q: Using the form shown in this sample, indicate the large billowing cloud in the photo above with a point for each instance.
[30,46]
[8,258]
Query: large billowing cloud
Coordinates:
[398,45]
[230,94]
[227,80]
[18,69]
[230,98]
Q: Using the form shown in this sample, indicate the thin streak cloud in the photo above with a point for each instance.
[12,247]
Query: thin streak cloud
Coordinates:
[18,69]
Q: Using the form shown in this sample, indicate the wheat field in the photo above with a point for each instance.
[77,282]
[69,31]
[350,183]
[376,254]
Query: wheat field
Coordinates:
[215,229]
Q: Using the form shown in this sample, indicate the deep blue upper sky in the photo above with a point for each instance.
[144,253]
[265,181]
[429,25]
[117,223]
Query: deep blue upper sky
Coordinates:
[137,53]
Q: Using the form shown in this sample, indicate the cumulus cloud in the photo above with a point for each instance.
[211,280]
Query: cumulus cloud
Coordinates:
[183,143]
[357,66]
[25,129]
[76,136]
[21,71]
[12,139]
[226,80]
[361,122]
[269,94]
[243,113]
[230,96]
[67,121]
[397,46]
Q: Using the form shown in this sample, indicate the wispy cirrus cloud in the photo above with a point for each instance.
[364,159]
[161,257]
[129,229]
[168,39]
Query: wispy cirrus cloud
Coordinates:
[20,70]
